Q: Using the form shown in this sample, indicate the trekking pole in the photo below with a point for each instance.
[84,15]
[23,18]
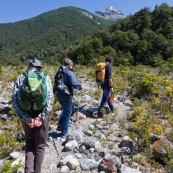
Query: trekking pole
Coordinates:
[79,99]
[55,146]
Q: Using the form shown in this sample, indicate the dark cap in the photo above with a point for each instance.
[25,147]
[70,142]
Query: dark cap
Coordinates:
[35,62]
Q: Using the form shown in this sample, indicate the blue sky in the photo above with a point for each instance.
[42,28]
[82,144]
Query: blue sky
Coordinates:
[16,10]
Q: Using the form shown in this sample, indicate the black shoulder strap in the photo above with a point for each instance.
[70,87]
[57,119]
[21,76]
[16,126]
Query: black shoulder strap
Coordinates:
[65,71]
[25,79]
[61,68]
[25,73]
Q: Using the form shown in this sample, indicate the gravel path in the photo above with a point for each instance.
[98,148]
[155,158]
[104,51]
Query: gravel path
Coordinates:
[54,150]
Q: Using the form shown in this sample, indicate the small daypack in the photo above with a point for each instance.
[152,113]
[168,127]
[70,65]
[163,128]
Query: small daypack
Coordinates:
[59,86]
[100,72]
[33,92]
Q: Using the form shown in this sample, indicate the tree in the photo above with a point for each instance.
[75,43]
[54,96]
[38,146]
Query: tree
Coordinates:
[142,20]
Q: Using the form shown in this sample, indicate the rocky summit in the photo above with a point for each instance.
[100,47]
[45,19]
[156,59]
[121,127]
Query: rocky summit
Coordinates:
[111,13]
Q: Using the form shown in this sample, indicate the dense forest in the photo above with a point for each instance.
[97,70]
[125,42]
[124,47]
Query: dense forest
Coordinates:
[46,35]
[144,38]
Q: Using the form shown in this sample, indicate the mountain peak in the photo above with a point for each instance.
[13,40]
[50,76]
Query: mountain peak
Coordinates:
[111,8]
[111,13]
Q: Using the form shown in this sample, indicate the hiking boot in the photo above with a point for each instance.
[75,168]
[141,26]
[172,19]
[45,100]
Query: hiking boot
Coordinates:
[107,110]
[101,116]
[62,135]
[58,128]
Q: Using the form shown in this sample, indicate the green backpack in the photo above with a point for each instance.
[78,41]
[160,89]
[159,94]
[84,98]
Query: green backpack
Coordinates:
[33,92]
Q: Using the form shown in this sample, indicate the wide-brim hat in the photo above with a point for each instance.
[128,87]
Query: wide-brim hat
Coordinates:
[35,62]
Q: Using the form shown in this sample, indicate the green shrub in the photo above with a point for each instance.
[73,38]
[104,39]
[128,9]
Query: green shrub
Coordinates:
[11,143]
[7,168]
[6,144]
[169,159]
[145,122]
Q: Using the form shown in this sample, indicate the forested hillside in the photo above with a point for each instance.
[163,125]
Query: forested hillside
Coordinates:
[46,34]
[144,38]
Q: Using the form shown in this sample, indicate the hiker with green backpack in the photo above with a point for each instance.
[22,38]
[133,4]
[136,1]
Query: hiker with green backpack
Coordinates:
[32,98]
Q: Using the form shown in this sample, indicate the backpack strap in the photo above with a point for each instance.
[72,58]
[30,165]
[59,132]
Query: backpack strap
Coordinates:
[105,70]
[25,74]
[64,69]
[66,72]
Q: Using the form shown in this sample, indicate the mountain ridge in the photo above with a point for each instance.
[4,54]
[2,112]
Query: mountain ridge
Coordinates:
[47,34]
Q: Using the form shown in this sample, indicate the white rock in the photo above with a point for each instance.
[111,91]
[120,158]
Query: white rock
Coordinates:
[97,146]
[69,146]
[64,169]
[15,155]
[125,169]
[73,164]
[65,160]
[19,160]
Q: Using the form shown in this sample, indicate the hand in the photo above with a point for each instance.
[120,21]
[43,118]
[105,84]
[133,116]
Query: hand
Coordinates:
[34,122]
[37,122]
[30,122]
[112,90]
